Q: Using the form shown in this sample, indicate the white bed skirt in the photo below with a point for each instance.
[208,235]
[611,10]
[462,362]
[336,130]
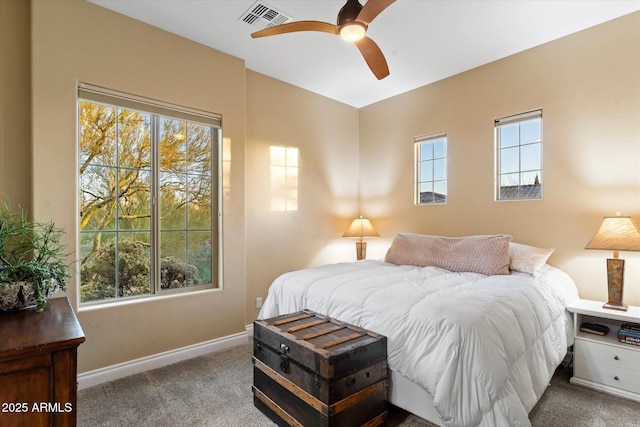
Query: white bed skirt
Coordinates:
[409,396]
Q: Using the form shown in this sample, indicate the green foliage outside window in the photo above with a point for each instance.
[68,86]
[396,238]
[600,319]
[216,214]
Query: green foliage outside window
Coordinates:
[118,216]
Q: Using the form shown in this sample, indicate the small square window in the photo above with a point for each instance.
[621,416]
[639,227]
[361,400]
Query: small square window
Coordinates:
[518,142]
[431,169]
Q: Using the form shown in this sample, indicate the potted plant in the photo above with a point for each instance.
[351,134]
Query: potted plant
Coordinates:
[32,266]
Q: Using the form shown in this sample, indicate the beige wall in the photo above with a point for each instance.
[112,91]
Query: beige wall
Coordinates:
[588,86]
[15,104]
[326,134]
[77,41]
[351,161]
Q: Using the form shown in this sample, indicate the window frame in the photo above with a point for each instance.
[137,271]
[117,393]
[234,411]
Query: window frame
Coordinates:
[418,141]
[158,111]
[519,119]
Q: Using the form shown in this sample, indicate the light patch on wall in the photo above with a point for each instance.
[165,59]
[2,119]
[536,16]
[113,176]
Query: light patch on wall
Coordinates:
[284,178]
[226,168]
[602,160]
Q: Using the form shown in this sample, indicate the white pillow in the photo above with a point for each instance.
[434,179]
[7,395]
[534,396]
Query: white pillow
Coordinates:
[528,259]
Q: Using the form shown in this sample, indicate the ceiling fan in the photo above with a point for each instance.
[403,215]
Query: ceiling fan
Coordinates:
[353,20]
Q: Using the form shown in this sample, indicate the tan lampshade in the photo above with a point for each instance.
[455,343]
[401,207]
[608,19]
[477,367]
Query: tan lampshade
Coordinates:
[361,227]
[617,233]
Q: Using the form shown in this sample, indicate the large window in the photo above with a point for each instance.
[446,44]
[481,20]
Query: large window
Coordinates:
[431,169]
[149,206]
[519,156]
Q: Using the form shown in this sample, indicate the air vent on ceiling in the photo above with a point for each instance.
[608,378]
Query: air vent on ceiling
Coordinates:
[261,16]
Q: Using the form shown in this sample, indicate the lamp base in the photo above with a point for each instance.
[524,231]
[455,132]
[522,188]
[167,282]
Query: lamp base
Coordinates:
[612,306]
[361,250]
[615,283]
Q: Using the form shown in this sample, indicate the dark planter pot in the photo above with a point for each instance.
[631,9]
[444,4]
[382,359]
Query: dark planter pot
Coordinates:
[21,295]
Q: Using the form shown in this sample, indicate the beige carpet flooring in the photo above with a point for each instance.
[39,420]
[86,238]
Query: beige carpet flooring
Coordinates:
[215,390]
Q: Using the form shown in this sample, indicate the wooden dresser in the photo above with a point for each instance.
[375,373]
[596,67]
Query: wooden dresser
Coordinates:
[38,366]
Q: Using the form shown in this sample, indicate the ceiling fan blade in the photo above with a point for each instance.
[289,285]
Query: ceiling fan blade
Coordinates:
[292,27]
[374,57]
[371,9]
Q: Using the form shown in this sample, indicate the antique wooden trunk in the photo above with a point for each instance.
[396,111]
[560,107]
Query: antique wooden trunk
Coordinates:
[311,370]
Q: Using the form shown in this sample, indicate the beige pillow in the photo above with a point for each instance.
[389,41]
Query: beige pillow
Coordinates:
[528,259]
[487,254]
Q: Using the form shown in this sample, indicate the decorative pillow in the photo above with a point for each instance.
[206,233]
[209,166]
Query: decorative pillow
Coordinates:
[528,259]
[487,254]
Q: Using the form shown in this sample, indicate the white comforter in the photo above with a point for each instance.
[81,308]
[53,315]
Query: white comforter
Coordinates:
[485,347]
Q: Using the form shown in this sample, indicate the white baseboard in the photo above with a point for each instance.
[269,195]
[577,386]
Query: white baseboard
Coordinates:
[136,366]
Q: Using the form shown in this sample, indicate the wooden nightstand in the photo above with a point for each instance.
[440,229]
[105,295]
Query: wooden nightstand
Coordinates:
[601,362]
[38,366]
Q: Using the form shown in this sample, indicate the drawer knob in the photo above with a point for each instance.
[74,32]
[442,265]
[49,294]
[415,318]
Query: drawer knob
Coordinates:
[615,378]
[616,357]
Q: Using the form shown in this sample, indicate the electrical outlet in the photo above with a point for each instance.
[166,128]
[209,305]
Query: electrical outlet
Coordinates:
[259,302]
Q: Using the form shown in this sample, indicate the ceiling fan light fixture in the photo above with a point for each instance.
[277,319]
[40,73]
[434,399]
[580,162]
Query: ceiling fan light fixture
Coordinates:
[352,23]
[353,31]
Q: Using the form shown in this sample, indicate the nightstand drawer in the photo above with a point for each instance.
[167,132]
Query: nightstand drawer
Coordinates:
[608,375]
[608,354]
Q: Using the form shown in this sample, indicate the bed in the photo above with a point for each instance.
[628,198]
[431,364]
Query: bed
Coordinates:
[465,348]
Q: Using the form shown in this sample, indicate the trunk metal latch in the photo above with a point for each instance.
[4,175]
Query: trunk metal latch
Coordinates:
[284,358]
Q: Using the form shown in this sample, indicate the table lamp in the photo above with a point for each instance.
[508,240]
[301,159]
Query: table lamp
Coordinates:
[361,228]
[617,233]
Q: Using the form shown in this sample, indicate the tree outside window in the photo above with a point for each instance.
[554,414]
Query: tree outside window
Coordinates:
[148,202]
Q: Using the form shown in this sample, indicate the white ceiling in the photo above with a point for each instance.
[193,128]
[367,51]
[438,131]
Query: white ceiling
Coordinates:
[423,40]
